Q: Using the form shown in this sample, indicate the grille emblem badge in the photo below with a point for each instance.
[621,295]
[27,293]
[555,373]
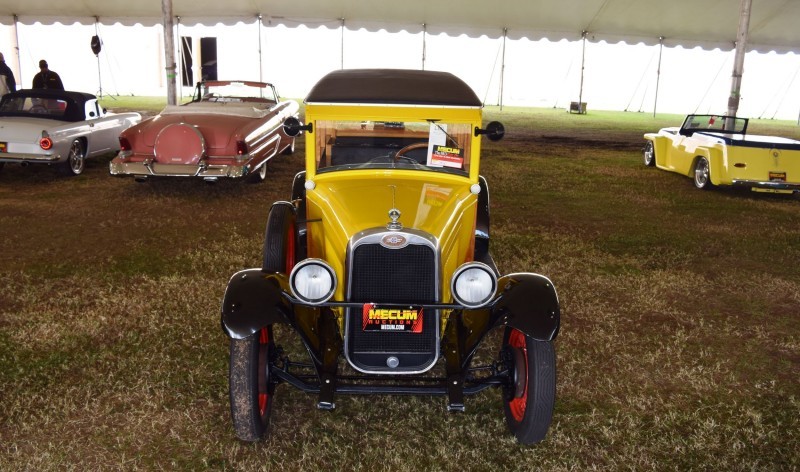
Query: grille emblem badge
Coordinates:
[394,241]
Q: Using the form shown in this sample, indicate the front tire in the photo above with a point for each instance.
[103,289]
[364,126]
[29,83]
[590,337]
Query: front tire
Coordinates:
[702,174]
[76,159]
[252,388]
[529,397]
[251,385]
[649,154]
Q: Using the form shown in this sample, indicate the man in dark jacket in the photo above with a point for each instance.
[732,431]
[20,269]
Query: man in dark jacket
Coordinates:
[46,79]
[6,71]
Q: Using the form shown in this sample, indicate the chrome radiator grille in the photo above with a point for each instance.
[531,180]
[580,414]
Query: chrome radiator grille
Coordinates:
[396,277]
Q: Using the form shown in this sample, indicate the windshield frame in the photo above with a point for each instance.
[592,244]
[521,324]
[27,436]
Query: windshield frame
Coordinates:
[321,113]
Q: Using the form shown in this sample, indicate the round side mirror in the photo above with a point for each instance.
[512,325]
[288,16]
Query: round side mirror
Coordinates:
[494,131]
[292,126]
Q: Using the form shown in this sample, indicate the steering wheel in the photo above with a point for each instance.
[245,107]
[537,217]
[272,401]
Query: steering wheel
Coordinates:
[399,154]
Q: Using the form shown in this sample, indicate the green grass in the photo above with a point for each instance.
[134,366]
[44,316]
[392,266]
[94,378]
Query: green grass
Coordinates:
[679,347]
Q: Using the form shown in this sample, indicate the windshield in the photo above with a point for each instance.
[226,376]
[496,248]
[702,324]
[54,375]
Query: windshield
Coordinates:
[425,145]
[235,92]
[715,123]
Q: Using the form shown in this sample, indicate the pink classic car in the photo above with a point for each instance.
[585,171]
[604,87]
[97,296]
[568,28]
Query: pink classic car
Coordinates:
[230,129]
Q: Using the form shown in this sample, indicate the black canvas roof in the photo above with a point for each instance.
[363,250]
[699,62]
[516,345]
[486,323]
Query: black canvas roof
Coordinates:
[393,86]
[75,102]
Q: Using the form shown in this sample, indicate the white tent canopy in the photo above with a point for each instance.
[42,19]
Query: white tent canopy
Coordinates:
[689,23]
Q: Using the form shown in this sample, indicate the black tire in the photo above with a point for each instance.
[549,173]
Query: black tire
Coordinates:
[289,150]
[251,386]
[76,159]
[259,175]
[252,389]
[649,154]
[702,174]
[2,164]
[280,248]
[530,396]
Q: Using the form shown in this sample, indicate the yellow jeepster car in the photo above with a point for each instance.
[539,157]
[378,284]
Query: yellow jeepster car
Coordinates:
[380,262]
[715,150]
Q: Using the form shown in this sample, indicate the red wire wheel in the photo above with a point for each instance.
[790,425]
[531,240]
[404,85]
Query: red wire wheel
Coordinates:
[531,390]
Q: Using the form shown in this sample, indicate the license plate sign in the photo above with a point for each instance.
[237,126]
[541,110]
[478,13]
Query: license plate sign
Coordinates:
[394,318]
[777,176]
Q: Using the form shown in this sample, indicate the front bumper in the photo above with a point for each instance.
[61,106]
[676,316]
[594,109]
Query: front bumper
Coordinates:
[149,168]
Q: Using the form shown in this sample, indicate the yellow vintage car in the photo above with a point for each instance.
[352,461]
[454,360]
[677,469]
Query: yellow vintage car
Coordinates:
[380,262]
[715,150]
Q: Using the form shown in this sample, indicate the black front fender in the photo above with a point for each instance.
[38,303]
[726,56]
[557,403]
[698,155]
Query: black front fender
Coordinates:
[529,303]
[252,301]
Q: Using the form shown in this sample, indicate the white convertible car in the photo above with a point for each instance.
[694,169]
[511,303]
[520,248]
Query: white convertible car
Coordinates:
[58,128]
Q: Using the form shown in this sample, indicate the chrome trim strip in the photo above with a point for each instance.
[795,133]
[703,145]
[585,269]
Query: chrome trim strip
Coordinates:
[374,236]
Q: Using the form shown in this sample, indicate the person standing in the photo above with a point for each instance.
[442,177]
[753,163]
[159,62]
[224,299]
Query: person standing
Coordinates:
[46,78]
[5,72]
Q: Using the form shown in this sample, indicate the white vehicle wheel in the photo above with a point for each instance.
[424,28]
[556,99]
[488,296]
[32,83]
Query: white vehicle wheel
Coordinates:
[702,174]
[260,175]
[289,150]
[649,154]
[76,159]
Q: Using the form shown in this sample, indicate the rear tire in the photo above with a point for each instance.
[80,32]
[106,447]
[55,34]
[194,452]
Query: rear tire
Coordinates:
[251,386]
[280,248]
[258,176]
[529,398]
[289,150]
[702,174]
[76,159]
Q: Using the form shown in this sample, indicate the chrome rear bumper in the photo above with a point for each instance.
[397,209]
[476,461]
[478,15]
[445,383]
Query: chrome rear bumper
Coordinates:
[149,168]
[21,158]
[767,185]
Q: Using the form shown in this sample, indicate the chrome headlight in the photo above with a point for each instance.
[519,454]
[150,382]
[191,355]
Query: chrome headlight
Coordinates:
[313,281]
[473,284]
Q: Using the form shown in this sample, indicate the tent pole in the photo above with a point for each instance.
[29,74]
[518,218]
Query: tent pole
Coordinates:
[181,58]
[342,46]
[503,67]
[658,72]
[583,63]
[97,56]
[169,50]
[738,62]
[424,34]
[16,50]
[260,57]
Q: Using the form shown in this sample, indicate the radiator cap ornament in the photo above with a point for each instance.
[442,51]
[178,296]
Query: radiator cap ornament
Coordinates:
[394,224]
